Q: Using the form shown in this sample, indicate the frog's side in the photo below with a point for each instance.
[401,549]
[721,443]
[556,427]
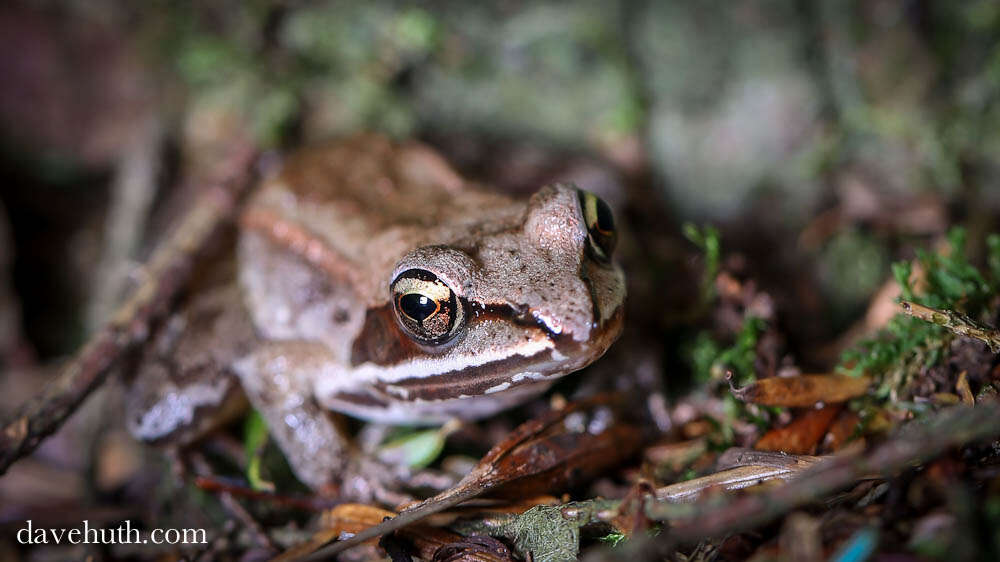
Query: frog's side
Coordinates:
[381,284]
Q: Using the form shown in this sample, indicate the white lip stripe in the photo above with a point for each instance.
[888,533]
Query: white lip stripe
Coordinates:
[426,412]
[328,382]
[498,388]
[527,375]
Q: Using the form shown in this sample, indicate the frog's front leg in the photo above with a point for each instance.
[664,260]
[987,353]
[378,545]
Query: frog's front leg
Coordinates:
[183,386]
[277,380]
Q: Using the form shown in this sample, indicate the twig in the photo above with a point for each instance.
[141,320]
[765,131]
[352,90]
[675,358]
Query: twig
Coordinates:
[165,273]
[958,323]
[132,190]
[231,505]
[729,480]
[217,485]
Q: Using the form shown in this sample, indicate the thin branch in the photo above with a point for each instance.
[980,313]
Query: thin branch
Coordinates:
[234,508]
[730,480]
[958,323]
[132,190]
[312,503]
[165,273]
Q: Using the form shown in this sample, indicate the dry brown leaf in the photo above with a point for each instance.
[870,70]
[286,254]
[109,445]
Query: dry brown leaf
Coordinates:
[558,450]
[459,548]
[945,398]
[842,430]
[441,545]
[348,518]
[963,390]
[803,391]
[802,434]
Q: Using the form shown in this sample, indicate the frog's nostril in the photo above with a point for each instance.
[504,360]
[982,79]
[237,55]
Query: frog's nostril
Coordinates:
[341,316]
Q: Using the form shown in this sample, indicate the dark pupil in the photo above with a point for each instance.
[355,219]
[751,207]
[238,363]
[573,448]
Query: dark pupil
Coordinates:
[605,220]
[417,306]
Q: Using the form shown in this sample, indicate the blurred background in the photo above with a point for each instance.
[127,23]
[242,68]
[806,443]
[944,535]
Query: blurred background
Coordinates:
[824,140]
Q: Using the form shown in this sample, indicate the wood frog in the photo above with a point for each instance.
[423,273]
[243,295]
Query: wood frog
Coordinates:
[371,279]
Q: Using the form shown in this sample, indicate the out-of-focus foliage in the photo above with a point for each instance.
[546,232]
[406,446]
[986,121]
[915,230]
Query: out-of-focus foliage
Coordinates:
[853,266]
[542,70]
[739,105]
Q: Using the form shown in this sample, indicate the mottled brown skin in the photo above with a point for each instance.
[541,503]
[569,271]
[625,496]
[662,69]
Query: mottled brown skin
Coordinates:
[322,241]
[183,387]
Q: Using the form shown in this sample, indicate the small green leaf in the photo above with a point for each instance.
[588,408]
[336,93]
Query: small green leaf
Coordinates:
[416,450]
[255,437]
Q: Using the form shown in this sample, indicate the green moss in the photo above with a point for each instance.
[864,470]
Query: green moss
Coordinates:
[416,30]
[710,361]
[708,240]
[613,539]
[908,345]
[702,355]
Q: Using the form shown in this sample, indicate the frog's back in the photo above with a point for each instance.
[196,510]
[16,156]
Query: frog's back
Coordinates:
[321,238]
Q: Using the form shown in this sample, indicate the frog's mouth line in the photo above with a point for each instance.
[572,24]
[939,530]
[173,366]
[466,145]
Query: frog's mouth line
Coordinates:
[559,357]
[433,412]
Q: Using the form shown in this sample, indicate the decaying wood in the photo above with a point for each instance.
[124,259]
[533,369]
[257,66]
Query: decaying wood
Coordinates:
[163,276]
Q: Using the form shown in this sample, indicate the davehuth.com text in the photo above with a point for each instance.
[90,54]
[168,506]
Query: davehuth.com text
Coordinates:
[122,534]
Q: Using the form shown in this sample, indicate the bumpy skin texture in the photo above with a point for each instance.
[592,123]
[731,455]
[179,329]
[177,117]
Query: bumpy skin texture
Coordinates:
[185,384]
[320,244]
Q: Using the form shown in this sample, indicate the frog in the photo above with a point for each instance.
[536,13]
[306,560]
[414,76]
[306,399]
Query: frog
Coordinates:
[369,278]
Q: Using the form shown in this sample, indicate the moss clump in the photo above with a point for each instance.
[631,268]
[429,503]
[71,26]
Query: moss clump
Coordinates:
[711,361]
[946,280]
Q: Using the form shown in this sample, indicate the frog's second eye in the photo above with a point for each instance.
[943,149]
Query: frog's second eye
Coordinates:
[601,233]
[426,307]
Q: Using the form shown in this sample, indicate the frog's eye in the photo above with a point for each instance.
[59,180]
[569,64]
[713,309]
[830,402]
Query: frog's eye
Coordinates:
[601,233]
[426,308]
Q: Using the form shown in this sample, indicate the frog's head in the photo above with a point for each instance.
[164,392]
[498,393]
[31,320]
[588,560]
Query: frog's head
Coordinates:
[480,322]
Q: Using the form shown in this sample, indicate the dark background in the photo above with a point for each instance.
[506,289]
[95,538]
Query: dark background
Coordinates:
[824,139]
